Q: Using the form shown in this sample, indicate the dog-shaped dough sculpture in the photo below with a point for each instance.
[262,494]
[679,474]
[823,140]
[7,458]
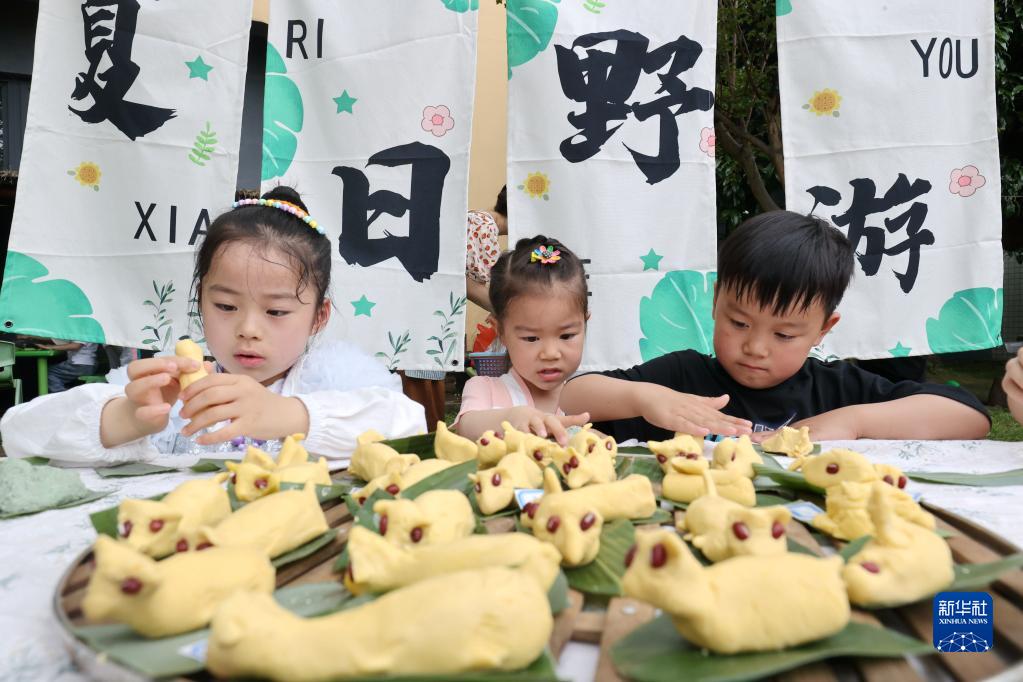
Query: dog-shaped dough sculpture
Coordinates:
[159,528]
[892,475]
[902,562]
[252,481]
[370,457]
[451,447]
[537,448]
[683,481]
[490,449]
[258,474]
[376,565]
[434,518]
[571,520]
[847,478]
[682,445]
[790,442]
[495,488]
[737,454]
[187,348]
[178,594]
[587,466]
[748,603]
[586,440]
[401,475]
[472,621]
[721,529]
[274,524]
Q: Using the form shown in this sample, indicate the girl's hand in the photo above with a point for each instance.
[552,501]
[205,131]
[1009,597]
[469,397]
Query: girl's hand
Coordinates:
[687,413]
[153,387]
[532,420]
[252,409]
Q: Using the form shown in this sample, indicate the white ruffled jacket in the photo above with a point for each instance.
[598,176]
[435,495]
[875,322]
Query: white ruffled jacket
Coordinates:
[344,390]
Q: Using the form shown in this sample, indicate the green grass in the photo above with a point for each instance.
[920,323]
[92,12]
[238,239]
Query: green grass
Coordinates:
[1003,426]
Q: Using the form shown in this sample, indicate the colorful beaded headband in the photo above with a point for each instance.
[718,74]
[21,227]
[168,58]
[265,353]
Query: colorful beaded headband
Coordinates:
[285,206]
[547,255]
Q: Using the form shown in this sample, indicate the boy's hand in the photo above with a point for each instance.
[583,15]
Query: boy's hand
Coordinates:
[837,424]
[252,409]
[153,387]
[1013,380]
[532,420]
[687,413]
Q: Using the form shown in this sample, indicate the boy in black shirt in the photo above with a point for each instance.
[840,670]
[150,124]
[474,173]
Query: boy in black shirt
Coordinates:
[780,278]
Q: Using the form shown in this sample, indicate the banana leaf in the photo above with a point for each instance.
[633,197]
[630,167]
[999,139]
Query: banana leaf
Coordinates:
[305,550]
[634,450]
[659,517]
[452,478]
[789,479]
[655,652]
[769,500]
[646,466]
[603,575]
[207,465]
[852,548]
[133,469]
[421,445]
[91,496]
[325,493]
[760,448]
[798,547]
[37,460]
[1000,478]
[558,594]
[973,576]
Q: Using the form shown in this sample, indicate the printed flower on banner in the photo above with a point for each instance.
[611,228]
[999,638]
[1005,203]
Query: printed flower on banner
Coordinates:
[87,174]
[537,185]
[965,181]
[826,101]
[437,120]
[708,141]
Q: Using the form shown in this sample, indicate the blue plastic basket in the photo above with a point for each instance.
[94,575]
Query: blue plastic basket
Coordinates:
[489,364]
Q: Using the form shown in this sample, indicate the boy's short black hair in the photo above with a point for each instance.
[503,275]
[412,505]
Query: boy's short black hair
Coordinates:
[786,261]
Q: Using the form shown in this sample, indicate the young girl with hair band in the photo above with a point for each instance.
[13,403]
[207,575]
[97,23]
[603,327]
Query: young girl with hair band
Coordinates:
[539,297]
[261,279]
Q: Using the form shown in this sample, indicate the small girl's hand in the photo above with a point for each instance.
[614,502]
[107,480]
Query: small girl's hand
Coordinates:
[544,425]
[687,413]
[252,409]
[153,387]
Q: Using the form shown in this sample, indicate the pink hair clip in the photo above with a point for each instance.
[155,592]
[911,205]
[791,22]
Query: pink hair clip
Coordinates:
[547,255]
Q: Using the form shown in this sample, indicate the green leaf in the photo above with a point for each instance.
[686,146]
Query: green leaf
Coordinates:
[324,493]
[768,500]
[558,594]
[677,314]
[530,28]
[604,574]
[789,479]
[305,550]
[973,576]
[92,496]
[1000,478]
[646,466]
[798,547]
[852,548]
[970,320]
[659,517]
[36,460]
[452,478]
[655,652]
[205,465]
[283,115]
[421,445]
[133,469]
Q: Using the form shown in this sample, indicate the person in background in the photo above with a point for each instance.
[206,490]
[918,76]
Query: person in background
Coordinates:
[81,360]
[1013,385]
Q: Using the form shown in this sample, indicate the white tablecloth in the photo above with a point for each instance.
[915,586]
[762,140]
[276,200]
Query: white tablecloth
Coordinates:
[36,550]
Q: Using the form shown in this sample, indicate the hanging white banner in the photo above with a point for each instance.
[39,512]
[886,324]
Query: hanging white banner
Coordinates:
[368,115]
[888,112]
[131,149]
[611,150]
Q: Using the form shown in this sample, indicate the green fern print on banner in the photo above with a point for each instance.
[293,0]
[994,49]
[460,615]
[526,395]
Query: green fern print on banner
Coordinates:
[161,331]
[447,335]
[594,6]
[398,346]
[205,144]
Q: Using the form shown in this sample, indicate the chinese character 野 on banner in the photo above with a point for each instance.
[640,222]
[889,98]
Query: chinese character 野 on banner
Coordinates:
[889,121]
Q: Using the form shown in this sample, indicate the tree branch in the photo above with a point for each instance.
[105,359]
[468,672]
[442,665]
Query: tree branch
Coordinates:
[743,154]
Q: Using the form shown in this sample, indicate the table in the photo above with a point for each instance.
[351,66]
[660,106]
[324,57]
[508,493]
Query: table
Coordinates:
[42,357]
[35,550]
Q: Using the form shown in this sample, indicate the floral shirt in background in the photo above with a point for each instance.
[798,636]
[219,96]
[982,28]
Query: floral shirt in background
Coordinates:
[482,247]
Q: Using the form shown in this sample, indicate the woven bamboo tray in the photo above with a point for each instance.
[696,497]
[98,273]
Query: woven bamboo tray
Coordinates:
[969,543]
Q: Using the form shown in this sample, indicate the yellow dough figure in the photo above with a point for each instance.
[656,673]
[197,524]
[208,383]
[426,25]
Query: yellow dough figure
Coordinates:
[187,348]
[495,488]
[580,468]
[488,619]
[292,453]
[376,565]
[537,448]
[449,446]
[258,474]
[252,481]
[791,442]
[586,441]
[571,520]
[178,594]
[902,562]
[748,603]
[490,449]
[683,481]
[721,528]
[847,479]
[159,528]
[737,454]
[370,458]
[400,475]
[682,445]
[274,524]
[434,518]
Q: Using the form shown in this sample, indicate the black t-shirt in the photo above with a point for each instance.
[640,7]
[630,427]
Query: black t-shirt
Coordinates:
[816,388]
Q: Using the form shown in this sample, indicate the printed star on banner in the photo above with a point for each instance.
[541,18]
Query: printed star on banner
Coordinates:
[651,261]
[363,306]
[899,351]
[197,68]
[345,102]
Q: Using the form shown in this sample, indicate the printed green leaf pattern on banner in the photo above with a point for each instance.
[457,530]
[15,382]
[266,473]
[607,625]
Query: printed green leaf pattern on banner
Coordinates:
[530,27]
[462,5]
[677,315]
[970,320]
[50,308]
[282,117]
